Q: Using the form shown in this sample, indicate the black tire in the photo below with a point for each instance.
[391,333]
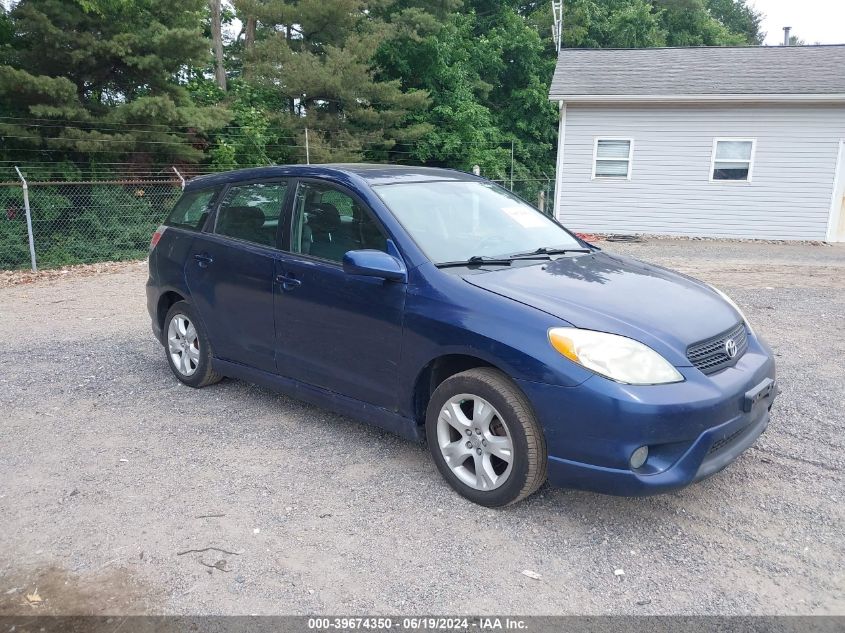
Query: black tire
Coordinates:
[203,370]
[528,469]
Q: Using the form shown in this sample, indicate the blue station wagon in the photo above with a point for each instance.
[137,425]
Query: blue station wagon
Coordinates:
[439,306]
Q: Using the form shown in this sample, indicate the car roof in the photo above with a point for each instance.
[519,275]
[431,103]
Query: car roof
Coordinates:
[371,173]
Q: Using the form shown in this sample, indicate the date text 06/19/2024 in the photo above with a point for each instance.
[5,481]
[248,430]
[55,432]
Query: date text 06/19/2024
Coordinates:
[457,624]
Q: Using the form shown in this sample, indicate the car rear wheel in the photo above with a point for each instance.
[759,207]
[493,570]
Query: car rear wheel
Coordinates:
[187,348]
[485,439]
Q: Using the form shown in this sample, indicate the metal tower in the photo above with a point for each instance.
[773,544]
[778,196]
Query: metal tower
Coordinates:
[557,27]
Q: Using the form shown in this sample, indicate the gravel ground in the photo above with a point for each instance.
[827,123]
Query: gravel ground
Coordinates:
[110,468]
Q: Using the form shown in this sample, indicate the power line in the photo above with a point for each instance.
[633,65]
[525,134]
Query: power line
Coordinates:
[173,130]
[336,146]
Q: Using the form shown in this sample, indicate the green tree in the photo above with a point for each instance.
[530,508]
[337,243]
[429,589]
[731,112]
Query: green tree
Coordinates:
[462,128]
[101,80]
[487,71]
[612,24]
[739,17]
[313,63]
[646,23]
[690,23]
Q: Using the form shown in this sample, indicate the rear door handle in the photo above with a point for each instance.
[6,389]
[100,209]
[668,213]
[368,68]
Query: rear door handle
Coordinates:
[288,282]
[203,259]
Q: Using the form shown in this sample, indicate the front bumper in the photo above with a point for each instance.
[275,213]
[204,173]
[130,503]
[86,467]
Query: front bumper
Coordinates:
[693,429]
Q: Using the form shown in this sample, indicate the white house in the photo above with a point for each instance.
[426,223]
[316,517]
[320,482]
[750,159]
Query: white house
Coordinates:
[744,142]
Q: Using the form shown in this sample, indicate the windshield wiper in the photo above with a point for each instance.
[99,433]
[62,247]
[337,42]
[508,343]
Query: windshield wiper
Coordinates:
[541,253]
[544,250]
[478,260]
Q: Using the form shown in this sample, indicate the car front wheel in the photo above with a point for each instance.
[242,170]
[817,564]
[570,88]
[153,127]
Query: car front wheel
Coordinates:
[485,439]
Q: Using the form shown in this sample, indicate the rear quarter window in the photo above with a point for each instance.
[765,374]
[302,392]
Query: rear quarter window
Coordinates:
[192,209]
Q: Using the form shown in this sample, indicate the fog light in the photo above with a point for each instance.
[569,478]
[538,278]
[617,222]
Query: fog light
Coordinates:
[639,456]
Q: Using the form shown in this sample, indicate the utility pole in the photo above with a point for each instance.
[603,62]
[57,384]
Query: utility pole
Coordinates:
[511,165]
[307,149]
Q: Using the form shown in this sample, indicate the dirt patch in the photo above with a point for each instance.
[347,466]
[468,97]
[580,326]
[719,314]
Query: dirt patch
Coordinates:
[53,591]
[21,277]
[763,276]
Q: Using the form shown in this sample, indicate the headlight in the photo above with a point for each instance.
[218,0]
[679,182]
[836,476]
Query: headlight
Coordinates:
[734,306]
[616,357]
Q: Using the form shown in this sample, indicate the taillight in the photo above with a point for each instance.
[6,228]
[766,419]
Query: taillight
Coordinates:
[157,236]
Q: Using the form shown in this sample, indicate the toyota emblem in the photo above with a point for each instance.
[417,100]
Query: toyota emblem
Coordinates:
[731,348]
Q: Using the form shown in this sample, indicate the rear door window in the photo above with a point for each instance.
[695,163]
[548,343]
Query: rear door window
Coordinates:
[192,209]
[252,212]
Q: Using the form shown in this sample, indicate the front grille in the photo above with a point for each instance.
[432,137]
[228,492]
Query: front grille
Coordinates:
[725,441]
[711,355]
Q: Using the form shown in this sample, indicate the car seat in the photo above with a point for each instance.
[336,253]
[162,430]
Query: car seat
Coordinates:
[246,223]
[327,241]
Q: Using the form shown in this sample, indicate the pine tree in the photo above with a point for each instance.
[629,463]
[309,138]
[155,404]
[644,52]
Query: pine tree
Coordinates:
[316,60]
[102,80]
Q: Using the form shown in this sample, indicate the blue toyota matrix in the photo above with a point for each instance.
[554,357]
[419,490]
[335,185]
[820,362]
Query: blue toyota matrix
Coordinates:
[441,307]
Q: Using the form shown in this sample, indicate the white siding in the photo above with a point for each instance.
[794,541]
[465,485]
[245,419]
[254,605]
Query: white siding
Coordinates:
[670,191]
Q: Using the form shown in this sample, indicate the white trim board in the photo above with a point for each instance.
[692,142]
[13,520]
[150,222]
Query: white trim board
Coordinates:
[839,172]
[561,143]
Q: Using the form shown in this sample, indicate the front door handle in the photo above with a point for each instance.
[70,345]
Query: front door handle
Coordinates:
[288,281]
[203,259]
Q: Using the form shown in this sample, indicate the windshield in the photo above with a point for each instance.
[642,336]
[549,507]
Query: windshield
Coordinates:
[454,221]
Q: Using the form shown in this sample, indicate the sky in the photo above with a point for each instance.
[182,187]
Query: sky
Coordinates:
[813,21]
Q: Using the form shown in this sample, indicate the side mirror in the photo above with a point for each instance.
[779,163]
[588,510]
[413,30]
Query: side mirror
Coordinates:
[371,263]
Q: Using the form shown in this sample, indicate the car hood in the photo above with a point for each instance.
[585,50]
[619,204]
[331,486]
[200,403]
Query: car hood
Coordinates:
[609,293]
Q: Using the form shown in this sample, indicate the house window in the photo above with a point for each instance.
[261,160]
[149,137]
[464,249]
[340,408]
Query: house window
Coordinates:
[612,158]
[732,159]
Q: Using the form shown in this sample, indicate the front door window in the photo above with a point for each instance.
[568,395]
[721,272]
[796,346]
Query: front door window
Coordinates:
[327,223]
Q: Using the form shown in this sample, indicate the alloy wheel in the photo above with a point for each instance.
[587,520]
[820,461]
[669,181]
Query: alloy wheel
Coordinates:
[475,442]
[183,344]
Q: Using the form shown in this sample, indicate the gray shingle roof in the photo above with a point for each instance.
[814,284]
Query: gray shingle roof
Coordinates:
[712,71]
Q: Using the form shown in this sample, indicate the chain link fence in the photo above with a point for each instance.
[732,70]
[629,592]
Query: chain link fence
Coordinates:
[83,222]
[98,220]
